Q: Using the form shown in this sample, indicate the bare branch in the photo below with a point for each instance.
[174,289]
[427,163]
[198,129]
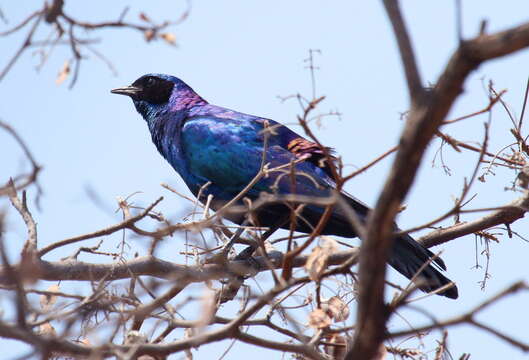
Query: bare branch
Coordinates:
[468,317]
[107,231]
[148,265]
[424,120]
[407,55]
[58,20]
[29,178]
[25,44]
[30,247]
[456,144]
[505,215]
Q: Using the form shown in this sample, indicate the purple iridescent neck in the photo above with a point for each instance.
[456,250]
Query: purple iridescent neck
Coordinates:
[184,98]
[181,101]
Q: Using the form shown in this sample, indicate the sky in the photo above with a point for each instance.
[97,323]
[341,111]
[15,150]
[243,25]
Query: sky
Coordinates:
[247,55]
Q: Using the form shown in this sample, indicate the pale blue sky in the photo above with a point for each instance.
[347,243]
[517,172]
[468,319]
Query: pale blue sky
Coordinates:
[243,55]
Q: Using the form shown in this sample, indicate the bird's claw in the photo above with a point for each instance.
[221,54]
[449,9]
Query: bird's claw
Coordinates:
[220,257]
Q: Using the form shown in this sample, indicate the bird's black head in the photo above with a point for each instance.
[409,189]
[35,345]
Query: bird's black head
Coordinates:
[152,89]
[157,94]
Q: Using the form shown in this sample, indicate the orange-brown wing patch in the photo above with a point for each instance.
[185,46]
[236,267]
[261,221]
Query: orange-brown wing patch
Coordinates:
[310,151]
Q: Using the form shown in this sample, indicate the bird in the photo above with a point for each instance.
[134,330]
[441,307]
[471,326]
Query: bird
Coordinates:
[220,152]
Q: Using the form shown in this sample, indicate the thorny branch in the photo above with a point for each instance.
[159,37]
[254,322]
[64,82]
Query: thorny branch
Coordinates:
[469,318]
[64,32]
[21,181]
[181,276]
[427,113]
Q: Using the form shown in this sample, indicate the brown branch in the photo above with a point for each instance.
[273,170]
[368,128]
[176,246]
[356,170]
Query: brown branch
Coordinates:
[14,278]
[59,345]
[492,101]
[25,44]
[29,178]
[506,215]
[468,317]
[372,313]
[292,254]
[142,311]
[460,201]
[127,223]
[30,247]
[21,24]
[456,144]
[151,266]
[370,164]
[54,16]
[306,350]
[411,70]
[521,142]
[120,23]
[230,330]
[180,274]
[522,346]
[53,11]
[424,120]
[169,229]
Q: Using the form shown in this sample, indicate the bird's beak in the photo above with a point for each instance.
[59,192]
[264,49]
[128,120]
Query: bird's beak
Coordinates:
[131,91]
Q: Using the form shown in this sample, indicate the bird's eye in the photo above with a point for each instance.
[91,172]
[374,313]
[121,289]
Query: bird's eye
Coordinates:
[150,82]
[153,89]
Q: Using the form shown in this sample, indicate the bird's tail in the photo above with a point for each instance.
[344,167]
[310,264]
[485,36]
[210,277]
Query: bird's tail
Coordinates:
[408,257]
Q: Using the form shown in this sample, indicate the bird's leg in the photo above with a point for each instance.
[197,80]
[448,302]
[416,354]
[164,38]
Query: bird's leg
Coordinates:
[246,253]
[222,255]
[227,247]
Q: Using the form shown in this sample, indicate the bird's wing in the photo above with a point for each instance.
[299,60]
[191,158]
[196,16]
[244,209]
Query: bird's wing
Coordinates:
[315,154]
[301,147]
[229,153]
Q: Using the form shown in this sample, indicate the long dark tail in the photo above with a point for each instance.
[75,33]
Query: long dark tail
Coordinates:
[409,256]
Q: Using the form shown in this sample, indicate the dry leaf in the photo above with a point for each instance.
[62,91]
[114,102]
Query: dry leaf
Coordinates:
[209,308]
[319,319]
[329,244]
[144,17]
[336,309]
[135,337]
[63,73]
[317,261]
[47,329]
[149,35]
[189,333]
[47,300]
[170,309]
[169,38]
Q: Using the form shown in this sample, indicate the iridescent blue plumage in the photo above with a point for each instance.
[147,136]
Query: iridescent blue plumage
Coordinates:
[208,144]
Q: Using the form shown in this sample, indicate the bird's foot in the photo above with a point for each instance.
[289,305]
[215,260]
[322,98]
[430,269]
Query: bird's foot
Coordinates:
[222,257]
